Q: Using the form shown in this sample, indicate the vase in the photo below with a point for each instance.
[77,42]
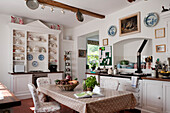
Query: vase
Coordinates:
[89,89]
[93,68]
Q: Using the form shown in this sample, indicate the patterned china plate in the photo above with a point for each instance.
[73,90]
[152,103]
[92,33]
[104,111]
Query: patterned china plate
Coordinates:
[112,31]
[151,20]
[29,57]
[41,57]
[34,63]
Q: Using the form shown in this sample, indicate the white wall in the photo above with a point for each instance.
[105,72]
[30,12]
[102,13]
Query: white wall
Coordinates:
[102,25]
[81,61]
[4,49]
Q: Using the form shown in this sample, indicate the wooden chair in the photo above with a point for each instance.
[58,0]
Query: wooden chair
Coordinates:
[42,107]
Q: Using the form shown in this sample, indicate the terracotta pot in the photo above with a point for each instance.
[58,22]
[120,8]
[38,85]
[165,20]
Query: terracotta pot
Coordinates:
[90,89]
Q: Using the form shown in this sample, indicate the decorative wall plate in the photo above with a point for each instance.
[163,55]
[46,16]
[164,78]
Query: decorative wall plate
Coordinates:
[151,20]
[34,63]
[112,31]
[29,57]
[41,57]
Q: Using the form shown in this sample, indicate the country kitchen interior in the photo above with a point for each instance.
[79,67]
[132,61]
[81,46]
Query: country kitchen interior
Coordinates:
[85,56]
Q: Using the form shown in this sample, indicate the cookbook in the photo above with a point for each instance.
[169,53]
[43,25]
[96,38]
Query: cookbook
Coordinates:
[88,94]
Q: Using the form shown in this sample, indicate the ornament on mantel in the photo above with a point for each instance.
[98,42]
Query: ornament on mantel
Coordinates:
[17,20]
[163,9]
[58,27]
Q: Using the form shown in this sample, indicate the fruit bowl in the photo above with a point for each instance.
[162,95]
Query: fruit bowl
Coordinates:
[67,86]
[165,74]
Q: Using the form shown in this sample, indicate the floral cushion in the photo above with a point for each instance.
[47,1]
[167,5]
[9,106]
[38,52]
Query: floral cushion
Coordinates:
[48,107]
[42,106]
[40,82]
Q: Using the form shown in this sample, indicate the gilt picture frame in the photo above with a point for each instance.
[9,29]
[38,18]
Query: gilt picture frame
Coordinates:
[105,42]
[160,33]
[160,48]
[82,53]
[130,24]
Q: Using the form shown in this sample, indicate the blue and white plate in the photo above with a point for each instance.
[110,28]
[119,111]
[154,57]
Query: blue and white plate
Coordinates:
[29,57]
[41,57]
[112,31]
[151,20]
[34,63]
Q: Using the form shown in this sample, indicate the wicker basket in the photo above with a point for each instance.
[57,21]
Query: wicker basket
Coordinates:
[69,87]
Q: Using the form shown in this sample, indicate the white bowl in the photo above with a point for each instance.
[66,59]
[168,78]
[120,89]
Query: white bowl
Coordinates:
[36,39]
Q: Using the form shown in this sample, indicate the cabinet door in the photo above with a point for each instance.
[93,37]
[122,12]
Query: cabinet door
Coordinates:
[55,76]
[152,95]
[166,97]
[20,84]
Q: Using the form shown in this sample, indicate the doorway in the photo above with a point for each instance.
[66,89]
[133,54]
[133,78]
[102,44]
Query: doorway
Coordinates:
[93,52]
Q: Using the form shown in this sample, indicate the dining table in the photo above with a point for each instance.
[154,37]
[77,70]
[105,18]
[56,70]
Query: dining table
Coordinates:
[112,101]
[7,99]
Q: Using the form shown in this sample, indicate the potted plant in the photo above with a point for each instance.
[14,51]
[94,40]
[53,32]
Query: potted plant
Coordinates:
[90,83]
[93,64]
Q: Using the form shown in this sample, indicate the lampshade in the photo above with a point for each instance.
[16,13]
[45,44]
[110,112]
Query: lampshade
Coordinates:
[79,16]
[32,4]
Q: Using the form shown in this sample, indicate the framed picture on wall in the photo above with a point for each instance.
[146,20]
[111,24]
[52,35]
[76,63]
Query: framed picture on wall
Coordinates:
[160,33]
[129,24]
[161,48]
[105,42]
[82,53]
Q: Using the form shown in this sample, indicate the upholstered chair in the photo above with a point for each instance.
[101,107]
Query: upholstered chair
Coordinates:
[42,107]
[40,82]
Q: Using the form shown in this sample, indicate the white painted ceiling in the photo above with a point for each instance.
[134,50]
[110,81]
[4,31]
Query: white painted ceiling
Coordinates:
[105,7]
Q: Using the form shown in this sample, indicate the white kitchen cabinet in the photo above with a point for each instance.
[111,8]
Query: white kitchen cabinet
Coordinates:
[152,95]
[166,97]
[19,85]
[34,41]
[124,85]
[97,77]
[55,76]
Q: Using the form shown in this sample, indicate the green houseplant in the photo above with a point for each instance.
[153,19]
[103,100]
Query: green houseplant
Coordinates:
[90,83]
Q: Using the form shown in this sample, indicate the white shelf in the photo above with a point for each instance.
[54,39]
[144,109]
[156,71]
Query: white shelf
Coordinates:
[36,52]
[18,37]
[37,41]
[19,52]
[19,60]
[18,45]
[64,40]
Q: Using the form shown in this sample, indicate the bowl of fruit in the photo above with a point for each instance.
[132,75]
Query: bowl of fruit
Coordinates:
[165,73]
[66,84]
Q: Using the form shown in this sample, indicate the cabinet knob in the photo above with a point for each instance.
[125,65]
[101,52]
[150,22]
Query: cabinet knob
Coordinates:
[159,97]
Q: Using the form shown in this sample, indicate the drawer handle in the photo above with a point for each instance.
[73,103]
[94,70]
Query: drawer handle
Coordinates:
[159,97]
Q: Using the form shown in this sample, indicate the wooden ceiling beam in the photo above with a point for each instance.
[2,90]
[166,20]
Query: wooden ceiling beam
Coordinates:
[71,8]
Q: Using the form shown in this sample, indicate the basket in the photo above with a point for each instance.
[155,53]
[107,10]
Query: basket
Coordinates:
[68,87]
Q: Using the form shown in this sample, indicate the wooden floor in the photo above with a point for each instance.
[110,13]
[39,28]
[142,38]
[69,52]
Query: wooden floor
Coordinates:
[27,104]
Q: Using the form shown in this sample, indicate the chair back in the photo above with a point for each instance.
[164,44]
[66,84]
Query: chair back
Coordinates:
[111,84]
[43,81]
[34,96]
